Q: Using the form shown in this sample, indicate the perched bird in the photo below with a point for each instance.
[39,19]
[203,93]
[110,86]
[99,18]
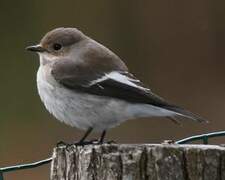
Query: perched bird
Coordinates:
[85,85]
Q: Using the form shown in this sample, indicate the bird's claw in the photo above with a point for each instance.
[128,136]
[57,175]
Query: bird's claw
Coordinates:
[111,142]
[83,143]
[93,142]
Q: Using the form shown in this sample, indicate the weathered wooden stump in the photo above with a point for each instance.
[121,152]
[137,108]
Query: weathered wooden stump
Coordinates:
[139,162]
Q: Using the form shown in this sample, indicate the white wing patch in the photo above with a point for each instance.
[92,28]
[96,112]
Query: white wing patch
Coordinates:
[116,76]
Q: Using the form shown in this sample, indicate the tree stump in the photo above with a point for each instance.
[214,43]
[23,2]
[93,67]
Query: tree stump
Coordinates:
[139,162]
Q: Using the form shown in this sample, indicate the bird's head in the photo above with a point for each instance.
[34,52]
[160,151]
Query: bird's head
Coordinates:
[58,43]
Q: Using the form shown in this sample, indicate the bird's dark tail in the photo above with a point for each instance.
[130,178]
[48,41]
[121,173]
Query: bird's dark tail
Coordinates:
[185,113]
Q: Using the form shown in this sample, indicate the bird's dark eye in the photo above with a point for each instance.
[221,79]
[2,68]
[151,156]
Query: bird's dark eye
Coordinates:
[57,46]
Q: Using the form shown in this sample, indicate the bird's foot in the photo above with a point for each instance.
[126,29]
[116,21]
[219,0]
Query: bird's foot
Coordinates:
[106,142]
[93,142]
[84,143]
[110,142]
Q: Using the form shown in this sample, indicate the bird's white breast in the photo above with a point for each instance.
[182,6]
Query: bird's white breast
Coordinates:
[78,109]
[83,110]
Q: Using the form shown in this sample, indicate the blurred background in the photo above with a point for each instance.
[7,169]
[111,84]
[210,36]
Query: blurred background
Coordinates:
[176,47]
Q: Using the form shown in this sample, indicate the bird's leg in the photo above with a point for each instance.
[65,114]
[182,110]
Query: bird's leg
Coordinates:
[79,143]
[82,140]
[101,140]
[86,134]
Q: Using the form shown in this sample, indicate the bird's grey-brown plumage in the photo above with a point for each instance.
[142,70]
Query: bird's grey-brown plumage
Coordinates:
[81,66]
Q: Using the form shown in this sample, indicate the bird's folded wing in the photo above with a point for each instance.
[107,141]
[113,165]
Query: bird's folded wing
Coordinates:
[124,86]
[115,84]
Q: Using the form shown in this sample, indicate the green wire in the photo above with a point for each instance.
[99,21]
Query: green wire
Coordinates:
[23,166]
[203,137]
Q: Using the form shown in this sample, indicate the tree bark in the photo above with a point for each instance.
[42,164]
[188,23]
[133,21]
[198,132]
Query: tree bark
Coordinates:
[139,162]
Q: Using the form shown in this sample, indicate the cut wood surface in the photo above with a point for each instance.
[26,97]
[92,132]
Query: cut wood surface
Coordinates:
[139,162]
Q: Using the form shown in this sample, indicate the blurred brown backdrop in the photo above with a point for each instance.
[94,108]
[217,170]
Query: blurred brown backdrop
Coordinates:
[176,47]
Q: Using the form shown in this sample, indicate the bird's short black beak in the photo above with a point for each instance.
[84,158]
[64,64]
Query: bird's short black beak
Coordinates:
[35,48]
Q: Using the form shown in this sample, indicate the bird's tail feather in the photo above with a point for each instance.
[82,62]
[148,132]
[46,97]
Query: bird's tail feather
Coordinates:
[185,113]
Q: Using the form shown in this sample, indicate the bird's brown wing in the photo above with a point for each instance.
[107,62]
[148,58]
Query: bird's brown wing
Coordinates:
[82,77]
[115,84]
